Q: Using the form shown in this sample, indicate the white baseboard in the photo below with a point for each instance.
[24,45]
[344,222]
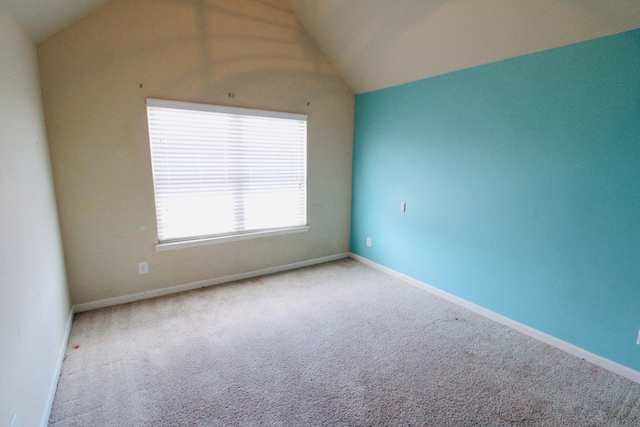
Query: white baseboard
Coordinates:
[605,363]
[108,302]
[56,374]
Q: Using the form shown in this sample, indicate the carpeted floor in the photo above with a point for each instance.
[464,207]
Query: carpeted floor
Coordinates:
[338,344]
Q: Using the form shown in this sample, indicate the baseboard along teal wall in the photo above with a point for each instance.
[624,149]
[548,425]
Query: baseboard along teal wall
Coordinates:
[522,187]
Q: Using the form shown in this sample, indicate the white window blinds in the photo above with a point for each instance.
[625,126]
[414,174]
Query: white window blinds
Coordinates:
[221,171]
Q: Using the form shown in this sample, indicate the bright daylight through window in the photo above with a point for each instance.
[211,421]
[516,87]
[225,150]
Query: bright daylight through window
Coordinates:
[225,171]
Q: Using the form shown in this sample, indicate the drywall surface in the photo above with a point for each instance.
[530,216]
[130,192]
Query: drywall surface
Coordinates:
[522,188]
[42,19]
[34,302]
[380,43]
[96,75]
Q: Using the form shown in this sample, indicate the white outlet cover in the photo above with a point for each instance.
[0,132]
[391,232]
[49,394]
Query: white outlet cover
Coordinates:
[143,267]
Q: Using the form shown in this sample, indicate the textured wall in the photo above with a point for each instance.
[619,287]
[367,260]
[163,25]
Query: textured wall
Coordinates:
[34,302]
[522,186]
[96,75]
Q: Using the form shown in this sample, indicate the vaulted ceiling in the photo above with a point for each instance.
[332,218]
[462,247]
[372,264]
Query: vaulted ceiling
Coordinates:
[42,18]
[381,43]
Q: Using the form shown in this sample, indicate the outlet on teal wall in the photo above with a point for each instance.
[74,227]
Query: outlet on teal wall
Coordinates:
[522,184]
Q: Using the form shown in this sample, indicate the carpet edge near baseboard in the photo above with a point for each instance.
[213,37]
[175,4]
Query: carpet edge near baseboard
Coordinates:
[609,365]
[46,413]
[108,302]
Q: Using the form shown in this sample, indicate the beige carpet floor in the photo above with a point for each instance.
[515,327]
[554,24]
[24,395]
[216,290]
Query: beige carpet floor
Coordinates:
[338,344]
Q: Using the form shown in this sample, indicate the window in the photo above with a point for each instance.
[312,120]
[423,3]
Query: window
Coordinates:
[224,172]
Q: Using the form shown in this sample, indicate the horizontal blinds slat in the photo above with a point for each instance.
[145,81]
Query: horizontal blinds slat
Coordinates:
[222,170]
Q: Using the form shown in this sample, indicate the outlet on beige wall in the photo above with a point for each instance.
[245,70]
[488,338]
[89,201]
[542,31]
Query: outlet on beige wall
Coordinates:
[96,75]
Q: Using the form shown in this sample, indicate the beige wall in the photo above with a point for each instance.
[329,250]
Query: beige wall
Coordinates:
[96,75]
[34,303]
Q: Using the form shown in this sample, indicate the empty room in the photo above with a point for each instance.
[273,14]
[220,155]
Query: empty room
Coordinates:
[319,212]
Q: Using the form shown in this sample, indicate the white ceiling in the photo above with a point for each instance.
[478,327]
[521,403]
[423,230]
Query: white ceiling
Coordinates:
[42,18]
[381,43]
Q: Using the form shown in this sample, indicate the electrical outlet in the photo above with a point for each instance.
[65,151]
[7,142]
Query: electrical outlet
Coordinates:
[638,341]
[403,207]
[368,242]
[143,267]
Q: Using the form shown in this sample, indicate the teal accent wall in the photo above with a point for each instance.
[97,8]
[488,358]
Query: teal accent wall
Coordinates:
[522,184]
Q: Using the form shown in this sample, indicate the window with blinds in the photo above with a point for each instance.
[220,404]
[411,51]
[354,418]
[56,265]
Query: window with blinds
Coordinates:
[224,171]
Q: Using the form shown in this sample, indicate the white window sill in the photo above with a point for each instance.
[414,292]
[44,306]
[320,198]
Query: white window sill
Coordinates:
[168,246]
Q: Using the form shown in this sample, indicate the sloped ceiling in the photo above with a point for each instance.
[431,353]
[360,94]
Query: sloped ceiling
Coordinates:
[42,18]
[381,43]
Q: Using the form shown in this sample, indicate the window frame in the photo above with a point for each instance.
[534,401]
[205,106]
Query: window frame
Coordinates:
[193,241]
